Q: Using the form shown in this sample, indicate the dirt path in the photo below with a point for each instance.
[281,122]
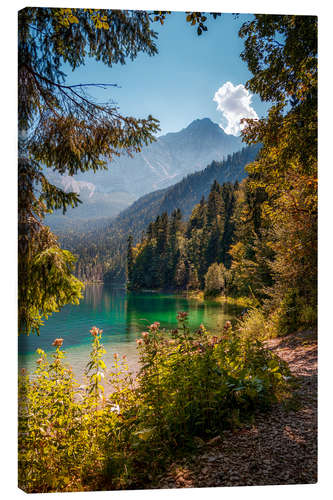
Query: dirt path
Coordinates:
[280,448]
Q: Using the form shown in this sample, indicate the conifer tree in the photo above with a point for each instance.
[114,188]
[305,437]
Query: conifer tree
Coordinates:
[285,73]
[130,259]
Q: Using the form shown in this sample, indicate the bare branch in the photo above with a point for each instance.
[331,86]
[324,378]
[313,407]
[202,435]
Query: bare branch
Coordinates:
[100,85]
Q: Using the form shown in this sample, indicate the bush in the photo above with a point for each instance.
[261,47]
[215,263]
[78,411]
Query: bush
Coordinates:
[254,325]
[63,427]
[215,279]
[195,384]
[294,313]
[190,384]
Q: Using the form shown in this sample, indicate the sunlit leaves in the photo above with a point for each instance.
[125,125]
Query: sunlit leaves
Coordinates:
[281,52]
[63,128]
[66,17]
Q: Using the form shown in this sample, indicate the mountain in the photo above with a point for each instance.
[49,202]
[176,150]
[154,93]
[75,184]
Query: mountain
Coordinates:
[167,160]
[95,206]
[185,194]
[105,247]
[159,165]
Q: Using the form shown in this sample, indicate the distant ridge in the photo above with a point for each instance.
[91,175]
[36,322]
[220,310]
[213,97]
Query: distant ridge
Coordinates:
[159,165]
[168,159]
[186,193]
[111,239]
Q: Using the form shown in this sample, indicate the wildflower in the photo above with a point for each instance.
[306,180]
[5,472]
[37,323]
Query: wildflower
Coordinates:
[124,357]
[154,326]
[227,325]
[39,360]
[182,315]
[115,355]
[115,408]
[95,331]
[58,342]
[139,341]
[144,334]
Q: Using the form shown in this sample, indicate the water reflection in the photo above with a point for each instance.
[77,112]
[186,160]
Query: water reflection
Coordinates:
[122,316]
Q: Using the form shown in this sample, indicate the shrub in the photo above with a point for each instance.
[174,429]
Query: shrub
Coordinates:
[195,384]
[190,384]
[215,279]
[63,427]
[254,325]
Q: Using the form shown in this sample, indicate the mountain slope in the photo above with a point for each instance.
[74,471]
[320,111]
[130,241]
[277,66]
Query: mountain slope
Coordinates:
[159,165]
[105,247]
[167,160]
[185,194]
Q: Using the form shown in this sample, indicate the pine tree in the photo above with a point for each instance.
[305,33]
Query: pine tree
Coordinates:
[130,261]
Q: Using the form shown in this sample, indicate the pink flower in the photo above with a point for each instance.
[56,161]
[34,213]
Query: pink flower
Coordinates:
[58,342]
[182,315]
[154,326]
[124,356]
[144,334]
[139,341]
[95,331]
[115,355]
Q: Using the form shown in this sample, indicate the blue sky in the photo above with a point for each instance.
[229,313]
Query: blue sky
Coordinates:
[178,84]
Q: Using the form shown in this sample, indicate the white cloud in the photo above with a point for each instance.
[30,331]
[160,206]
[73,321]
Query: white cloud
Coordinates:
[234,104]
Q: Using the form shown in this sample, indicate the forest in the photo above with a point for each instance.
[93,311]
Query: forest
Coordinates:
[101,250]
[229,407]
[175,254]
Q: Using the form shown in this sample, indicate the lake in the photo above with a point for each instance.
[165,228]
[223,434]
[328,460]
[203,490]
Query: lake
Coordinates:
[122,316]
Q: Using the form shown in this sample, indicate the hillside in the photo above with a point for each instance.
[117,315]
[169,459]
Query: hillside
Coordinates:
[167,160]
[186,193]
[102,250]
[161,164]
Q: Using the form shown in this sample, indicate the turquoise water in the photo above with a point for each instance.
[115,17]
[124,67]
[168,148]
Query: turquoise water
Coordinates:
[122,316]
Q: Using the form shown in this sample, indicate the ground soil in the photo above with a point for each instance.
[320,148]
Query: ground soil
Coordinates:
[279,448]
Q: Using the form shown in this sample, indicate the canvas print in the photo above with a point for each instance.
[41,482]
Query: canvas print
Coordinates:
[167,249]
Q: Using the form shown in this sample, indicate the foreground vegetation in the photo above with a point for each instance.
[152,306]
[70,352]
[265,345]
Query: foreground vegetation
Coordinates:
[190,386]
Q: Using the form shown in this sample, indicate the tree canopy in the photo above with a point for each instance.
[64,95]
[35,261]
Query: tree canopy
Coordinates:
[63,128]
[281,52]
